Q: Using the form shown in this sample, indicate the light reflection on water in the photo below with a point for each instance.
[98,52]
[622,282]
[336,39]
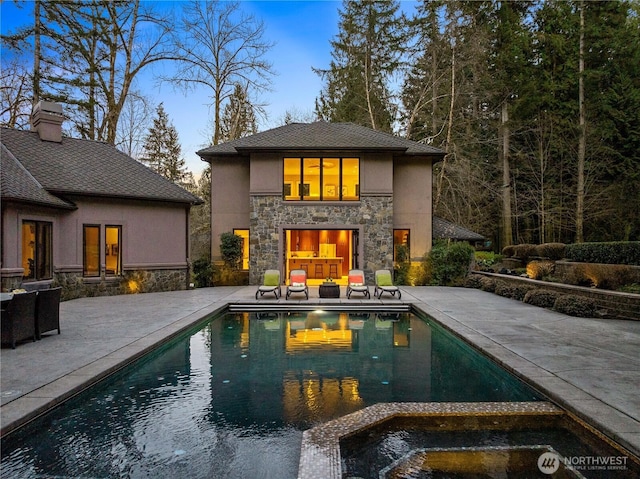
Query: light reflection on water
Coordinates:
[232,399]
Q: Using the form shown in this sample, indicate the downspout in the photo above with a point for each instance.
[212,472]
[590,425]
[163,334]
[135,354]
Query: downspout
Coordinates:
[187,245]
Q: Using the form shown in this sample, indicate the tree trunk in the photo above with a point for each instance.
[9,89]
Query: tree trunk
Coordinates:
[449,130]
[507,234]
[582,139]
[36,53]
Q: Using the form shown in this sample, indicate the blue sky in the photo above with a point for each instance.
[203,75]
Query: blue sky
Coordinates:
[301,30]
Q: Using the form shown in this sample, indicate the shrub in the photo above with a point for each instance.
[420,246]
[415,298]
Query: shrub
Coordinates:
[402,266]
[508,251]
[541,297]
[488,284]
[524,251]
[602,276]
[487,259]
[202,273]
[575,306]
[449,263]
[553,251]
[504,289]
[540,269]
[617,252]
[231,250]
[473,281]
[520,291]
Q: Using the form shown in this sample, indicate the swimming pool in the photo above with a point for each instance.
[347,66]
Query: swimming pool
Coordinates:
[232,398]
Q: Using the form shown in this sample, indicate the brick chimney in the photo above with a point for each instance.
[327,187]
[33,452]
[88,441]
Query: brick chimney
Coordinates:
[46,119]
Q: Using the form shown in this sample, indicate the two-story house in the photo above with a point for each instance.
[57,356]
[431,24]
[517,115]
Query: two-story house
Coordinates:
[324,197]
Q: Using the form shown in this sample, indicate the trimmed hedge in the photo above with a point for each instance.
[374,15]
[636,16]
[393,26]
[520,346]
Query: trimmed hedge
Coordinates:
[600,275]
[575,306]
[517,292]
[553,251]
[616,252]
[541,297]
[525,251]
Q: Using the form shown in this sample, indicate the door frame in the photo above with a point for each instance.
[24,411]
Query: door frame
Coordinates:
[282,239]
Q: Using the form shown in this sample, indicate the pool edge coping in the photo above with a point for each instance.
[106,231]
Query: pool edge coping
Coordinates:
[48,396]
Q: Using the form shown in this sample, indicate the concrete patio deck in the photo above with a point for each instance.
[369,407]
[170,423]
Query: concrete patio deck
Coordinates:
[591,367]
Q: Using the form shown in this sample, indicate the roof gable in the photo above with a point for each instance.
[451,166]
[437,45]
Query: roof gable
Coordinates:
[85,167]
[17,184]
[321,136]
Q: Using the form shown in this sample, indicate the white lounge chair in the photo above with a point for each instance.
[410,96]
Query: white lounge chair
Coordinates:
[357,284]
[297,283]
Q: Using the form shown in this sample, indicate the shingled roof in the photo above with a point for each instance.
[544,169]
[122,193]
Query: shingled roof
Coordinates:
[36,170]
[17,184]
[443,229]
[321,135]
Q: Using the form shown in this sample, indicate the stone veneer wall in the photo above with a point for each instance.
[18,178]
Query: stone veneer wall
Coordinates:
[267,213]
[138,281]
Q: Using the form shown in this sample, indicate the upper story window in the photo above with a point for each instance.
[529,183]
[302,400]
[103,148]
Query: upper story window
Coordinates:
[321,179]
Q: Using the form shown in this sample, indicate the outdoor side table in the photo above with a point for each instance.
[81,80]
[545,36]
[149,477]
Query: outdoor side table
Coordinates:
[329,290]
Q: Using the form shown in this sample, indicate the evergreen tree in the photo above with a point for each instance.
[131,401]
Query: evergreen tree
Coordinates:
[366,54]
[162,150]
[90,54]
[239,118]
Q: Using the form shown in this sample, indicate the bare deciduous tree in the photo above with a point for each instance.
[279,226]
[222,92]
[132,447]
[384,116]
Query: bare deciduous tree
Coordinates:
[221,46]
[15,94]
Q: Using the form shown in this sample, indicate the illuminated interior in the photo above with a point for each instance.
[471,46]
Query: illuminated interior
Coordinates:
[36,249]
[91,253]
[28,249]
[244,234]
[321,179]
[112,250]
[321,253]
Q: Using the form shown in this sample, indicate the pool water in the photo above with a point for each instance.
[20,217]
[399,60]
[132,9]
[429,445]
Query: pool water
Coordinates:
[232,398]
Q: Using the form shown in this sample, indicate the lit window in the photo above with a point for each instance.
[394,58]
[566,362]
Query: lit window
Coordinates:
[321,179]
[91,251]
[401,252]
[112,250]
[36,250]
[244,234]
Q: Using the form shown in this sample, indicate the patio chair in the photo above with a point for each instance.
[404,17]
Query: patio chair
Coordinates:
[297,283]
[270,283]
[384,284]
[48,311]
[357,284]
[19,319]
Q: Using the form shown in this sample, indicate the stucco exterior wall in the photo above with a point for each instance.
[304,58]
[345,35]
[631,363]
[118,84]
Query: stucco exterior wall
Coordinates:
[154,245]
[394,193]
[412,198]
[229,199]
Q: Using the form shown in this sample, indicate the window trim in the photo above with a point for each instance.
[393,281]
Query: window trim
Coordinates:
[84,251]
[37,249]
[118,270]
[288,187]
[248,249]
